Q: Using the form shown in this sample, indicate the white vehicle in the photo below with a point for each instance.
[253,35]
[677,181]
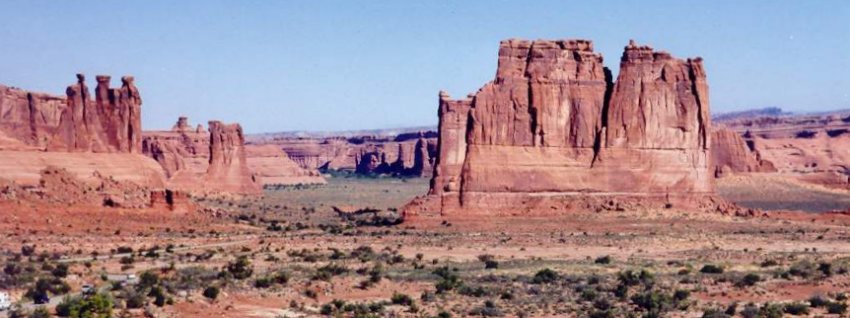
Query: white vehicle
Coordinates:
[5,301]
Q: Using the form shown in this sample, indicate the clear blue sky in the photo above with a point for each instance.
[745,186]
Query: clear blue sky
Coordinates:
[335,65]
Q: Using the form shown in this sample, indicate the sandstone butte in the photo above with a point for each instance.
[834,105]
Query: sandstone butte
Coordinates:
[553,132]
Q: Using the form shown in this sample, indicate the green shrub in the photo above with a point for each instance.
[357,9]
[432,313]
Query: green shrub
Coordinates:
[95,306]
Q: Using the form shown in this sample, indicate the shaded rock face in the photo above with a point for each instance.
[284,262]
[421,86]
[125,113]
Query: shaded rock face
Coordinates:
[554,124]
[108,122]
[730,154]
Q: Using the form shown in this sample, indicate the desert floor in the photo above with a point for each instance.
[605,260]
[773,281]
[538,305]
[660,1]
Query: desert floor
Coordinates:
[288,254]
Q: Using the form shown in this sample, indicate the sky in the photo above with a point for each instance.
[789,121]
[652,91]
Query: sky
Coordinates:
[344,65]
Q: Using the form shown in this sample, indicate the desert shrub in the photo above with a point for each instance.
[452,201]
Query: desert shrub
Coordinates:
[769,310]
[134,298]
[634,278]
[681,295]
[401,299]
[769,263]
[796,308]
[363,253]
[714,313]
[653,301]
[148,279]
[473,291]
[804,269]
[711,269]
[836,307]
[825,268]
[124,250]
[191,278]
[27,250]
[603,260]
[241,268]
[489,261]
[95,306]
[545,276]
[449,280]
[328,271]
[818,301]
[750,311]
[211,292]
[749,280]
[489,309]
[264,282]
[40,312]
[60,271]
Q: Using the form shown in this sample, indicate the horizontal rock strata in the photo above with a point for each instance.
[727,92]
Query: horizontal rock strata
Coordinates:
[553,126]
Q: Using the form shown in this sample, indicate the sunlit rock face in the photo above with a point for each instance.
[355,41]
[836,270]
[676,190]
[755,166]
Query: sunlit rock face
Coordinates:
[553,128]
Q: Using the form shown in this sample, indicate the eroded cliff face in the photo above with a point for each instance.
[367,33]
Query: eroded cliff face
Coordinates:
[553,127]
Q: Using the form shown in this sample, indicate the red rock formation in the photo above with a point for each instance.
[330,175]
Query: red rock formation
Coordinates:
[399,155]
[730,154]
[28,119]
[228,170]
[218,161]
[75,123]
[273,167]
[552,127]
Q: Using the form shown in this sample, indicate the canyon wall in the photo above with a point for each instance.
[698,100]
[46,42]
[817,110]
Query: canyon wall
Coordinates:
[405,155]
[553,128]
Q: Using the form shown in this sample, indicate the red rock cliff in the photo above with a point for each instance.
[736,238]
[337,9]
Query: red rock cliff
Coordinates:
[228,170]
[108,122]
[553,125]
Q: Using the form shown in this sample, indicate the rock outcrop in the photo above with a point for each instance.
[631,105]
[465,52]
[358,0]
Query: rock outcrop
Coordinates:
[219,161]
[553,128]
[228,166]
[111,122]
[273,167]
[730,154]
